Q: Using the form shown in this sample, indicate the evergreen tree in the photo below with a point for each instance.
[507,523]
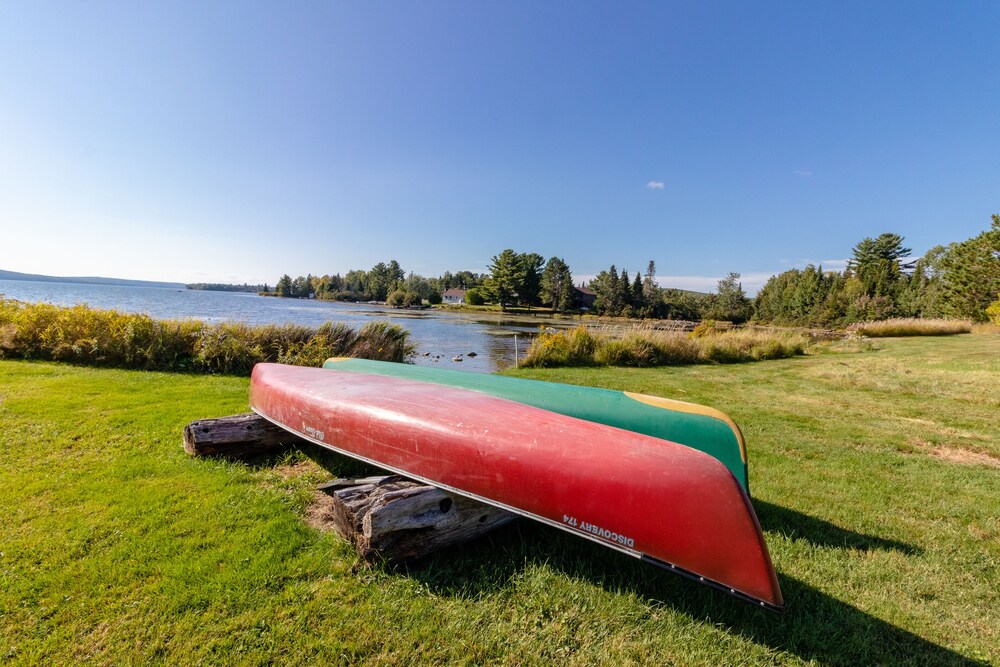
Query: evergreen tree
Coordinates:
[607,300]
[730,301]
[567,299]
[624,295]
[614,300]
[970,274]
[284,286]
[638,297]
[394,273]
[377,284]
[301,287]
[529,291]
[876,263]
[650,289]
[677,304]
[506,277]
[557,285]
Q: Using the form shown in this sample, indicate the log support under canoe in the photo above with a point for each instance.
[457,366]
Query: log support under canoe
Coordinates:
[393,519]
[237,437]
[386,518]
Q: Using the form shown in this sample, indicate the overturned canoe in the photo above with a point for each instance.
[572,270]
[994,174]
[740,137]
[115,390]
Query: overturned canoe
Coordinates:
[651,498]
[698,426]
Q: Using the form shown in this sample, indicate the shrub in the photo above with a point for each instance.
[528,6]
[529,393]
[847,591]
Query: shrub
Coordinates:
[562,348]
[709,328]
[434,298]
[993,311]
[474,297]
[382,341]
[413,299]
[396,298]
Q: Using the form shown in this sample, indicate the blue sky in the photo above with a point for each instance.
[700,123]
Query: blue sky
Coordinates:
[237,141]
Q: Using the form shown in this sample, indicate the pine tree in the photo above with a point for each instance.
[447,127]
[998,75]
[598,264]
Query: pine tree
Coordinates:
[650,289]
[506,276]
[970,274]
[638,297]
[284,286]
[876,263]
[530,288]
[557,285]
[614,299]
[624,295]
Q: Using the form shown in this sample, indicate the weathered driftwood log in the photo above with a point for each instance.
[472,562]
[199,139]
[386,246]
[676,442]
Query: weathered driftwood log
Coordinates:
[394,519]
[386,518]
[236,437]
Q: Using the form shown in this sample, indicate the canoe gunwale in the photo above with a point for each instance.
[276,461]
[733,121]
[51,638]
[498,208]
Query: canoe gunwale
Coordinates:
[643,557]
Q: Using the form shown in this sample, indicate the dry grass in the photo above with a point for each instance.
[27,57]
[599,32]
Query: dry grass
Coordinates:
[648,347]
[910,326]
[985,328]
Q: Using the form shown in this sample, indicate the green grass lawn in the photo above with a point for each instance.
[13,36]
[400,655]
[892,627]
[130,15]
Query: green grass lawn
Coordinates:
[876,477]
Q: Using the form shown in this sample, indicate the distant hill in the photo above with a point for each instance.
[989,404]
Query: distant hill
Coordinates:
[86,280]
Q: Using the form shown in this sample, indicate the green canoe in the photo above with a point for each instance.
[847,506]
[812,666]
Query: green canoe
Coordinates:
[696,426]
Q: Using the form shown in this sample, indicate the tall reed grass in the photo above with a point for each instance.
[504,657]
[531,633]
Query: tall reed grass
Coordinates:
[910,326]
[85,335]
[581,347]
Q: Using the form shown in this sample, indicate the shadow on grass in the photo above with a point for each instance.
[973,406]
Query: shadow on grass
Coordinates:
[816,627]
[798,526]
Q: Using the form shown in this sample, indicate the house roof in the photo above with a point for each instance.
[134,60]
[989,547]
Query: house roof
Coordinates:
[454,291]
[584,290]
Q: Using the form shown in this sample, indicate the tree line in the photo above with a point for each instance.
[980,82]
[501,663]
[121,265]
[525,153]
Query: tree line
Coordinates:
[377,284]
[227,287]
[960,280]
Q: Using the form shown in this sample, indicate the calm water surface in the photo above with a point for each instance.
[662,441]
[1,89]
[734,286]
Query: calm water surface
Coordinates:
[440,337]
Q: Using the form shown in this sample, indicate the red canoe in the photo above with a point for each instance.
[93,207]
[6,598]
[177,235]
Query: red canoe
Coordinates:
[653,499]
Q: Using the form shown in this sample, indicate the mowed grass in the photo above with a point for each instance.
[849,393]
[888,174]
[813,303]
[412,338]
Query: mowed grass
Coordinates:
[875,476]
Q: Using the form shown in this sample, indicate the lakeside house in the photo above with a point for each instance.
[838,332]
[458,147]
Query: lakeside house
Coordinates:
[453,295]
[583,297]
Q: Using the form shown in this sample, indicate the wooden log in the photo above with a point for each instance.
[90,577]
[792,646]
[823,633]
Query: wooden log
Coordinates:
[237,437]
[387,518]
[393,519]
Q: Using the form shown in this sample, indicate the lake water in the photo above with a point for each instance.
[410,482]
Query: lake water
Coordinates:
[440,336]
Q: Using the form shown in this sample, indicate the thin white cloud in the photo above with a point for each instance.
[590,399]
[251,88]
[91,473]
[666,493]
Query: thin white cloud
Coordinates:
[834,264]
[803,173]
[827,264]
[655,185]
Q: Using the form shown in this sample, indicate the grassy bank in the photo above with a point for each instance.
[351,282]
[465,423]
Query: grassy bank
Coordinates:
[874,476]
[110,338]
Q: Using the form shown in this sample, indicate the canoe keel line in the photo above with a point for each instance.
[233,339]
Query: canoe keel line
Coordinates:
[697,426]
[664,503]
